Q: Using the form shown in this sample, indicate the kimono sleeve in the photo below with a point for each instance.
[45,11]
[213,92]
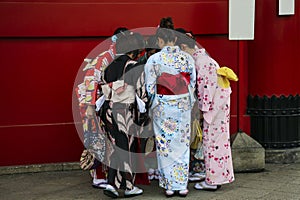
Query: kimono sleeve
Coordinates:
[92,79]
[94,76]
[193,75]
[141,88]
[141,93]
[135,75]
[206,81]
[85,90]
[91,87]
[150,77]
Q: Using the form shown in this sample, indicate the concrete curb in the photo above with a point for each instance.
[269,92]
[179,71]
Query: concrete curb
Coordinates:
[39,168]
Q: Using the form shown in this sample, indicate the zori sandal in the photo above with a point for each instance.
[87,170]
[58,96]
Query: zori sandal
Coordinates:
[183,193]
[169,193]
[204,186]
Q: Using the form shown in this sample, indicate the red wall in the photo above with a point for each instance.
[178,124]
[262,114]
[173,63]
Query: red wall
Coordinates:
[42,45]
[274,54]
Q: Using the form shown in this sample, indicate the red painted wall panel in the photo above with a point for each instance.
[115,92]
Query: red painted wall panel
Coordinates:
[42,45]
[274,54]
[38,77]
[32,19]
[39,144]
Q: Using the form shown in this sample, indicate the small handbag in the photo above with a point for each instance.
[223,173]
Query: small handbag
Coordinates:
[196,128]
[88,160]
[197,143]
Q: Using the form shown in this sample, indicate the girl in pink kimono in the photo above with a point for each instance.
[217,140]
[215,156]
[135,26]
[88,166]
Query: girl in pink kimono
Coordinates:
[213,92]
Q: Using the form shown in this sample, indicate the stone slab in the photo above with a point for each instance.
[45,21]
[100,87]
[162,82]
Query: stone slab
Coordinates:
[247,154]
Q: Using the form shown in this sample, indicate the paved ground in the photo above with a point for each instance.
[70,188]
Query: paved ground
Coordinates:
[278,181]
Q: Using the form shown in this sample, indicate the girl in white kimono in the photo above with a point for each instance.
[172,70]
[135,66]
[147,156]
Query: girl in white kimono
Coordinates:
[213,92]
[170,80]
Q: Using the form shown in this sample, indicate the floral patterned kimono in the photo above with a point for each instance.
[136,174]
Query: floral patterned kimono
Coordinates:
[87,93]
[214,102]
[170,81]
[119,114]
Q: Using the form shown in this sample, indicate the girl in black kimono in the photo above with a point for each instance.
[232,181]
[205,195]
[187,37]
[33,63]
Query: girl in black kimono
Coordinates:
[125,83]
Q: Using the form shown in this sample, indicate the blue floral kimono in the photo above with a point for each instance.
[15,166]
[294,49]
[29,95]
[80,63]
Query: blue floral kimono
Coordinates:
[172,101]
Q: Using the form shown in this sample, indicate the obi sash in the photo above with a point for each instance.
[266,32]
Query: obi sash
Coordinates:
[169,84]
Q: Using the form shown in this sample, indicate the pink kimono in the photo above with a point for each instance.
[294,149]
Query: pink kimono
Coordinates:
[214,102]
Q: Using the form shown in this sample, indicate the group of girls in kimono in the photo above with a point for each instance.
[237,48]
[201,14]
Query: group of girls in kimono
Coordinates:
[162,86]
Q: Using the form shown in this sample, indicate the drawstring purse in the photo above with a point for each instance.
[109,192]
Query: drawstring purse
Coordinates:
[197,143]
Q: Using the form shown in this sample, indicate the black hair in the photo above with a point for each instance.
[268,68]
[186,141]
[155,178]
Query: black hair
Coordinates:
[167,35]
[120,29]
[140,40]
[166,22]
[183,38]
[151,43]
[129,42]
[181,30]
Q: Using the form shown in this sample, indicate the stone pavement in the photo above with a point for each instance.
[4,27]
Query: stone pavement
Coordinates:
[277,181]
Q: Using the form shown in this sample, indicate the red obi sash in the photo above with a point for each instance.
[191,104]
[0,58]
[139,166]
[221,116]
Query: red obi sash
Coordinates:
[169,84]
